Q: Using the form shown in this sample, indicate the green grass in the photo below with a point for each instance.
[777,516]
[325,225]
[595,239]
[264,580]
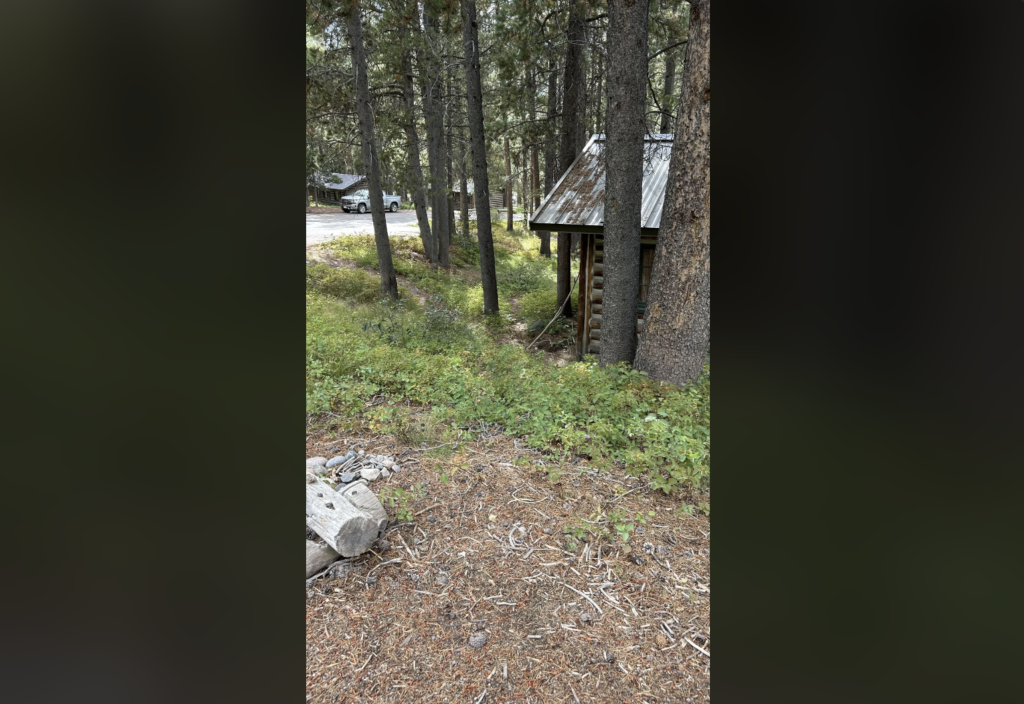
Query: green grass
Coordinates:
[442,356]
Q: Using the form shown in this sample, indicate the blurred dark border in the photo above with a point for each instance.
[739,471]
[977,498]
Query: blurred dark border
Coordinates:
[868,178]
[869,189]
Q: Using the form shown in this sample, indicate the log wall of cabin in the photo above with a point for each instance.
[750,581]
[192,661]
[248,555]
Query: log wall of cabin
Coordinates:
[592,283]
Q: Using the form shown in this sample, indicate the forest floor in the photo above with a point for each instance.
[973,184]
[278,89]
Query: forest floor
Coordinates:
[505,547]
[590,585]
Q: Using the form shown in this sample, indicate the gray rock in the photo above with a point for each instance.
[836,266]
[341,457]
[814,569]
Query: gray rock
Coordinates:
[586,617]
[395,468]
[385,474]
[478,639]
[362,453]
[335,461]
[314,462]
[537,326]
[346,477]
[547,531]
[369,473]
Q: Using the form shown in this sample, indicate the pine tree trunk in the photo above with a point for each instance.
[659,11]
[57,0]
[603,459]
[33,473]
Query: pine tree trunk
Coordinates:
[475,115]
[419,197]
[509,186]
[463,187]
[450,185]
[624,166]
[668,96]
[388,282]
[571,100]
[550,151]
[535,176]
[677,327]
[525,192]
[434,110]
[669,92]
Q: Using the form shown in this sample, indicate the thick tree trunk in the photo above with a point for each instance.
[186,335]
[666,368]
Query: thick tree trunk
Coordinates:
[550,151]
[509,186]
[475,114]
[624,167]
[571,109]
[388,282]
[677,327]
[463,187]
[419,197]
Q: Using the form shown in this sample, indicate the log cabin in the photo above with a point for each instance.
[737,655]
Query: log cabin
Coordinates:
[576,204]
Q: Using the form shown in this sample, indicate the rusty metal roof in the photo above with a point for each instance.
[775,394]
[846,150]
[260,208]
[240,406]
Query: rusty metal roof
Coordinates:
[344,181]
[577,200]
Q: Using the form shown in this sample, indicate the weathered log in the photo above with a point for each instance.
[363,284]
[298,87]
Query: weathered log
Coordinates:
[346,527]
[359,494]
[318,556]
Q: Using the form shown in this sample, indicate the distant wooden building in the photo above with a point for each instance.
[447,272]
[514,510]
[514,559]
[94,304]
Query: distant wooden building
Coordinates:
[341,185]
[576,204]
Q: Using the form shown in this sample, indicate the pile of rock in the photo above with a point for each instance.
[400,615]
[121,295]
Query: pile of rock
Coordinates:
[352,466]
[345,514]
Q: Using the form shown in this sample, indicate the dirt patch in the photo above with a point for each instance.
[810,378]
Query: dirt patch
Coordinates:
[564,619]
[324,210]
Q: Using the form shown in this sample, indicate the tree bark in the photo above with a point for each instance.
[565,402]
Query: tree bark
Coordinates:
[419,197]
[550,151]
[669,91]
[624,166]
[677,327]
[388,282]
[433,94]
[450,185]
[509,186]
[571,99]
[475,114]
[463,187]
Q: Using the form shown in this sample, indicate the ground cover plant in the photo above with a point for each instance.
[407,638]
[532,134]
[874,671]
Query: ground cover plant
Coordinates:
[441,353]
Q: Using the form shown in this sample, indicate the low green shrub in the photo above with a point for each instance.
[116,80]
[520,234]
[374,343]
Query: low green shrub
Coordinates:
[353,284]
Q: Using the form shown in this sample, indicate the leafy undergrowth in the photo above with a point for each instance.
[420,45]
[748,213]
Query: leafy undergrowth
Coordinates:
[443,355]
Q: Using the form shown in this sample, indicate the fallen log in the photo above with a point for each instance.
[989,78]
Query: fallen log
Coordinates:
[318,556]
[349,521]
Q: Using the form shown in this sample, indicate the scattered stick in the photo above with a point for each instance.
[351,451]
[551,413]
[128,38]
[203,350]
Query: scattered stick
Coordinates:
[389,562]
[594,603]
[424,449]
[426,509]
[556,314]
[687,639]
[365,663]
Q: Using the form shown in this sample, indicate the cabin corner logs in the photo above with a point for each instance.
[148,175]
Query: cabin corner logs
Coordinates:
[591,293]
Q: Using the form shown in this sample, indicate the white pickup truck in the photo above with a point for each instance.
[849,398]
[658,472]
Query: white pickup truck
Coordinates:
[360,201]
